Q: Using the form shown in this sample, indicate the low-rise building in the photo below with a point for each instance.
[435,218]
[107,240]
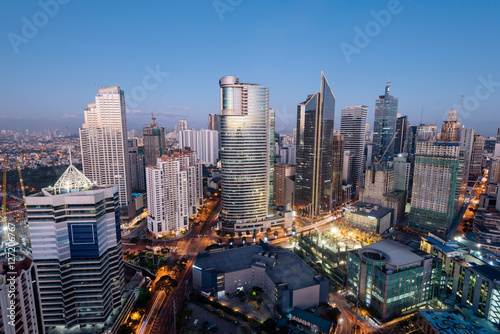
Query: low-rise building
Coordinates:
[433,321]
[393,278]
[288,281]
[369,217]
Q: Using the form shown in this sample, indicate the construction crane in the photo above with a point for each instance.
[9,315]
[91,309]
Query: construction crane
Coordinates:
[379,162]
[156,110]
[440,112]
[21,182]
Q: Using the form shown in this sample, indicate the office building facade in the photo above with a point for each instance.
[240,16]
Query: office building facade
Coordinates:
[313,182]
[136,171]
[337,169]
[283,191]
[353,128]
[402,134]
[393,278]
[245,145]
[103,140]
[477,155]
[384,127]
[76,244]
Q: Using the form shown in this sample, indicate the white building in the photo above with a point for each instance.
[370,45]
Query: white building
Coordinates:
[182,125]
[204,142]
[76,244]
[175,190]
[245,153]
[20,285]
[103,140]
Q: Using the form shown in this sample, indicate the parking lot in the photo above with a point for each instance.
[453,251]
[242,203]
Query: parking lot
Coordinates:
[206,318]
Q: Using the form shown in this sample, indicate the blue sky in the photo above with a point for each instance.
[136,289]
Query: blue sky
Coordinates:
[431,51]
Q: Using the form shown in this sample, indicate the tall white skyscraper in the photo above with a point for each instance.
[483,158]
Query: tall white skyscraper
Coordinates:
[353,128]
[204,142]
[245,153]
[76,243]
[182,125]
[103,140]
[175,190]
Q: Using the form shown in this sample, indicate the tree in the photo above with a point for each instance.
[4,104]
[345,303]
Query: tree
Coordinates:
[218,232]
[261,229]
[333,314]
[240,234]
[223,233]
[268,230]
[275,234]
[269,325]
[259,301]
[166,283]
[231,234]
[240,294]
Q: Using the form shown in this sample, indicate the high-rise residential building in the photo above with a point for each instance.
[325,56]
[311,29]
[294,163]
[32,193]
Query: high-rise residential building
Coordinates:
[244,153]
[402,132]
[175,190]
[204,142]
[313,181]
[352,127]
[103,140]
[207,146]
[20,309]
[390,277]
[213,122]
[76,244]
[386,110]
[426,132]
[337,168]
[136,159]
[433,204]
[154,142]
[412,140]
[182,125]
[477,155]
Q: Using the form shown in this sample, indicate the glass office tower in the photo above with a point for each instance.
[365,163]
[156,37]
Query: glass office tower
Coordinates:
[314,140]
[386,111]
[245,152]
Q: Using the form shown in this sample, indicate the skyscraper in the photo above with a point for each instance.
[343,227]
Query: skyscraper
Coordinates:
[477,155]
[103,140]
[245,152]
[154,142]
[136,159]
[402,132]
[182,125]
[213,122]
[207,146]
[313,181]
[433,204]
[175,190]
[272,126]
[386,110]
[20,309]
[76,243]
[352,127]
[337,168]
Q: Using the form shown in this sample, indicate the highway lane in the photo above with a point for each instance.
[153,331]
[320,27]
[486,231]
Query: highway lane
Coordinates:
[189,247]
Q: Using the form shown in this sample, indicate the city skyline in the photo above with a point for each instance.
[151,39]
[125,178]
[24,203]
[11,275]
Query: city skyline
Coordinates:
[169,68]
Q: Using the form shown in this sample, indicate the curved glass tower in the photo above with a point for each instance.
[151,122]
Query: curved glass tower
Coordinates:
[245,152]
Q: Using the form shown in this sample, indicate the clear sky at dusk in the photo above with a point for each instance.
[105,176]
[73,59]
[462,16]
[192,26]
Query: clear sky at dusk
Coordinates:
[431,51]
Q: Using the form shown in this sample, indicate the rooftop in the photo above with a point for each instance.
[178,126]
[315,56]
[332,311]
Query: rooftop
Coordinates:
[284,267]
[371,210]
[323,325]
[399,254]
[457,321]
